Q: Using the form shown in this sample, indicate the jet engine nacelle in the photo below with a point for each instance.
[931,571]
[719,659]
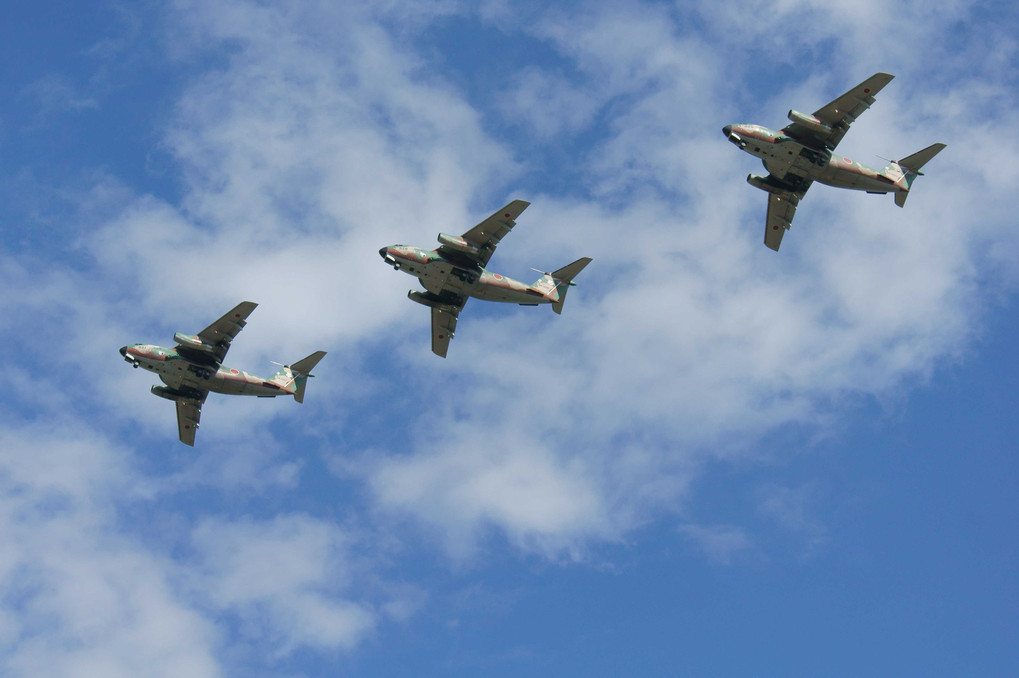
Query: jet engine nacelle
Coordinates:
[430,300]
[765,185]
[165,392]
[810,122]
[173,394]
[458,243]
[192,341]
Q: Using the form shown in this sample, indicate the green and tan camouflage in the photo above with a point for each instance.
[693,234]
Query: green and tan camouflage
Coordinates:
[194,368]
[801,153]
[455,272]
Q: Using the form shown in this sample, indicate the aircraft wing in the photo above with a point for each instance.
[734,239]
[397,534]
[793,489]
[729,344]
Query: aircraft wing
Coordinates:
[223,331]
[486,235]
[443,327]
[189,411]
[840,113]
[781,210]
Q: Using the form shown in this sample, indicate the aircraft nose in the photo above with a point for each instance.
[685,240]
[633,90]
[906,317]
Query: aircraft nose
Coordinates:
[123,351]
[727,130]
[389,258]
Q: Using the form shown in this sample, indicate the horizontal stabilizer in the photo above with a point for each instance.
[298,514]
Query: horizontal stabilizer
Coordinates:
[299,373]
[563,278]
[569,272]
[910,166]
[913,163]
[305,366]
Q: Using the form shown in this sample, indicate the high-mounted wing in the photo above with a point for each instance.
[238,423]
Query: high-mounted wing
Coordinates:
[189,412]
[443,327]
[831,122]
[781,210]
[220,333]
[486,235]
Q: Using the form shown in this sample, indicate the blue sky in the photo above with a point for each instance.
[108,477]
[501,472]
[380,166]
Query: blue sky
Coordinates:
[718,461]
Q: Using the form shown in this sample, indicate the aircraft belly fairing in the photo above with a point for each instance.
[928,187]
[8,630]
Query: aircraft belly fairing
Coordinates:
[434,276]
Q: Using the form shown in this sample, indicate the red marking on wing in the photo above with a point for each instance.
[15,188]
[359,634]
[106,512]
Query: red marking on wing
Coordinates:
[866,90]
[507,215]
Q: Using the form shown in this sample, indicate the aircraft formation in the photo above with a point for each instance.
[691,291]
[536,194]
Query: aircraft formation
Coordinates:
[795,157]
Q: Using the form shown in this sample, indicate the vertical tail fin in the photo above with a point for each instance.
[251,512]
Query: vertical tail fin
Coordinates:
[910,166]
[559,282]
[297,374]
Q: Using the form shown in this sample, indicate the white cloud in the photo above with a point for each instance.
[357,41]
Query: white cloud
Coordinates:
[868,35]
[320,134]
[284,579]
[684,325]
[719,542]
[791,509]
[463,488]
[54,94]
[80,599]
[549,104]
[303,155]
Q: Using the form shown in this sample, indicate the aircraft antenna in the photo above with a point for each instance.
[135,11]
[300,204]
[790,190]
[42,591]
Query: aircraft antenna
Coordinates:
[572,284]
[288,367]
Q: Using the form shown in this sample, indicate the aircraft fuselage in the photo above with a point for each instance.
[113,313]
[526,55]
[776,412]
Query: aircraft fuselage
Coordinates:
[792,162]
[182,374]
[443,274]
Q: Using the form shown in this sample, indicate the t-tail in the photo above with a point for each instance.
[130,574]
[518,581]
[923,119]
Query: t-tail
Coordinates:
[910,167]
[293,378]
[555,285]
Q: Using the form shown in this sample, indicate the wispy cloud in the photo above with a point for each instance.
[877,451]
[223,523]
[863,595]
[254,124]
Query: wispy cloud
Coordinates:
[721,543]
[316,134]
[79,597]
[793,510]
[283,579]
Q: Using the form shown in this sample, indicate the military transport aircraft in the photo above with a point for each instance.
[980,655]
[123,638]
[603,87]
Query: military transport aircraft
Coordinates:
[801,153]
[195,367]
[456,271]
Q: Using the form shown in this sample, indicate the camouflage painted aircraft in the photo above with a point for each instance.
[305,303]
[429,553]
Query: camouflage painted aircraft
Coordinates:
[195,367]
[456,271]
[801,153]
